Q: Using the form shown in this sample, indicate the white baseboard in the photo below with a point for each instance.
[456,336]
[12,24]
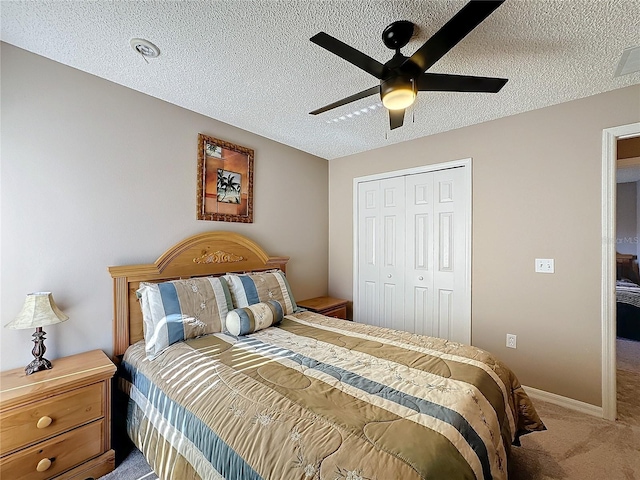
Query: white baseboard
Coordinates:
[566,402]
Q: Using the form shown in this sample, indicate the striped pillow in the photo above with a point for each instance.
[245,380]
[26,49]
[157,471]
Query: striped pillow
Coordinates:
[252,288]
[258,316]
[181,309]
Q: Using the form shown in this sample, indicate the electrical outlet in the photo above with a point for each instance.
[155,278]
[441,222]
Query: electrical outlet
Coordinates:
[545,265]
[511,340]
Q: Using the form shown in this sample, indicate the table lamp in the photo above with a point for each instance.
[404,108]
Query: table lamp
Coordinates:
[39,310]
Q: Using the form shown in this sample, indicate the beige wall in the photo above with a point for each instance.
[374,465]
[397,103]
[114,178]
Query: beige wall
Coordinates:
[536,194]
[95,174]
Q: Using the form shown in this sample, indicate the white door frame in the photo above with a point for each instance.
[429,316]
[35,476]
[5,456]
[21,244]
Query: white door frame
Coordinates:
[467,182]
[610,136]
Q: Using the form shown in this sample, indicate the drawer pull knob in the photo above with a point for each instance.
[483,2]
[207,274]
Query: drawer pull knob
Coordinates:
[43,465]
[44,422]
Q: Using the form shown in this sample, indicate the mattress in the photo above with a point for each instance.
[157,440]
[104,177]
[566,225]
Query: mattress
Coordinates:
[321,398]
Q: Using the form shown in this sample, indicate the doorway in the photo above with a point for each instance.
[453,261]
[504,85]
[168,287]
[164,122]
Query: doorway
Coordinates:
[610,139]
[628,280]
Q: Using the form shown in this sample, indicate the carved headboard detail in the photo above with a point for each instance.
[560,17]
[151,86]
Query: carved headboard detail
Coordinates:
[212,253]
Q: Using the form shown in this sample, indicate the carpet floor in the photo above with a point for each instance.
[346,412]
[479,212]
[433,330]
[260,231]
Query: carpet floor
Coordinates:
[133,467]
[628,381]
[575,446]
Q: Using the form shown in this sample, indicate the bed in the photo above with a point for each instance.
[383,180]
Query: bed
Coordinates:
[627,297]
[309,397]
[628,310]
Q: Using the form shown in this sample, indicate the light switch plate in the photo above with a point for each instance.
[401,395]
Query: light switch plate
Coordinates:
[545,265]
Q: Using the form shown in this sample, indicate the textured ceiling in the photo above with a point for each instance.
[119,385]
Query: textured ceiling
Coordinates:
[251,64]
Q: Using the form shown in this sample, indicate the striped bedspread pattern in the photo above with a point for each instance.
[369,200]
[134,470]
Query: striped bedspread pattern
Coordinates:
[320,398]
[627,292]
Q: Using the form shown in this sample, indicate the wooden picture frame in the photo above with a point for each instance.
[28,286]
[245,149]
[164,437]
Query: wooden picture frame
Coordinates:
[225,181]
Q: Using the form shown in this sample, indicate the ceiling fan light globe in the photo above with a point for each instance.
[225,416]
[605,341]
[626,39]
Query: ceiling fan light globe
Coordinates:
[398,99]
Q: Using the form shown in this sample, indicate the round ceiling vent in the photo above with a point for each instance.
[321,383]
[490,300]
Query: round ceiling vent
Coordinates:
[145,47]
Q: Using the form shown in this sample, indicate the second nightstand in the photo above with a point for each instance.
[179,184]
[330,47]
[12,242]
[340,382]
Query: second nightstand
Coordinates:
[329,306]
[57,423]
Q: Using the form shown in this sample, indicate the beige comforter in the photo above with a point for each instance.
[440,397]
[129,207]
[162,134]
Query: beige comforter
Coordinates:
[320,398]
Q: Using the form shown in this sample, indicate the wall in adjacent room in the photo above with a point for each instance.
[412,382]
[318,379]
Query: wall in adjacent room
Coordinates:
[536,194]
[95,174]
[626,218]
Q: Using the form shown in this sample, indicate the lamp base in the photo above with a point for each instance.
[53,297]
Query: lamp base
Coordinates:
[37,365]
[39,362]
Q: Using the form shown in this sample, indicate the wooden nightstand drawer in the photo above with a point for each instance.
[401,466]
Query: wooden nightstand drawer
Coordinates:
[64,452]
[329,306]
[340,312]
[19,426]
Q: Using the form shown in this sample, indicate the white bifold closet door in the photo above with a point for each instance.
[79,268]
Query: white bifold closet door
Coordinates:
[412,254]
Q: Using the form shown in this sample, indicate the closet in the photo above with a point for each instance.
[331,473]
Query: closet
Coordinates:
[412,254]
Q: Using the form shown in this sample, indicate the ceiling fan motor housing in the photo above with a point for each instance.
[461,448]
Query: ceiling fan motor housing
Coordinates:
[397,92]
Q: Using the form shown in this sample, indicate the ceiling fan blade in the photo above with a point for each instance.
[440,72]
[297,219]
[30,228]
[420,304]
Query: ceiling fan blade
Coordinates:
[463,22]
[350,54]
[396,118]
[356,96]
[441,82]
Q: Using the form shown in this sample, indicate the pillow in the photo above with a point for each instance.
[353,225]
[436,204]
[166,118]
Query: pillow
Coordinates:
[242,321]
[252,288]
[181,309]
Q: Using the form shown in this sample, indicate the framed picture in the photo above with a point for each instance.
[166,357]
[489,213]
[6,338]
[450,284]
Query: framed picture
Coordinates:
[225,181]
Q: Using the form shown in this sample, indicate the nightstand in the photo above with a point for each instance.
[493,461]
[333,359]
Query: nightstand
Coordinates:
[57,423]
[329,306]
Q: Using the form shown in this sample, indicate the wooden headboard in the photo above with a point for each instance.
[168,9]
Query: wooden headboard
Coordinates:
[212,253]
[627,267]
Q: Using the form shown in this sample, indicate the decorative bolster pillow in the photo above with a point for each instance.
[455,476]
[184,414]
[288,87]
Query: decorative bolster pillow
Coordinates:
[245,320]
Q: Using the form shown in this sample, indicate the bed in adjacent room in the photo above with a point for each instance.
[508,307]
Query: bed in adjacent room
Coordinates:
[627,297]
[227,378]
[628,310]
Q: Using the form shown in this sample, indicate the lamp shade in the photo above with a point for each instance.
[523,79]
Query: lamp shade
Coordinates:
[39,310]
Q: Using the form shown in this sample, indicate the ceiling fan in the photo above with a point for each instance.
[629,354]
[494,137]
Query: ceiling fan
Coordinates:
[402,77]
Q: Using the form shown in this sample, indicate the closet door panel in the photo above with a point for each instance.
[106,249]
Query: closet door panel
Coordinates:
[450,200]
[419,253]
[444,319]
[368,272]
[392,249]
[418,319]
